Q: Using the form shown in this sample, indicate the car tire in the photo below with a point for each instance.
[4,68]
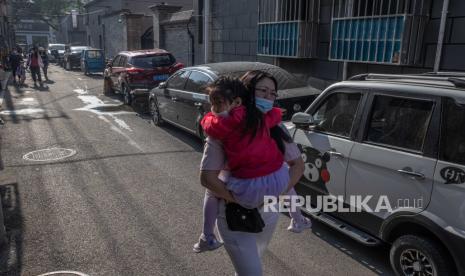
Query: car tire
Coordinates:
[107,89]
[411,255]
[155,113]
[127,97]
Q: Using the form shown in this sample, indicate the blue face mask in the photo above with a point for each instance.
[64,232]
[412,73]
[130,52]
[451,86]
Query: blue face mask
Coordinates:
[263,105]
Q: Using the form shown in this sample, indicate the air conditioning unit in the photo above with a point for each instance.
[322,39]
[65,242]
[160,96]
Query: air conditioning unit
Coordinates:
[382,34]
[288,28]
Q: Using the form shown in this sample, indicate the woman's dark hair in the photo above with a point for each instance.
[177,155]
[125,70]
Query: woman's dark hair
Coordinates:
[226,88]
[254,117]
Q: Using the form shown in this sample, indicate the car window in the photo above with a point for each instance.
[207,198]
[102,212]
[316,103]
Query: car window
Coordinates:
[337,113]
[178,81]
[153,61]
[122,61]
[399,122]
[453,133]
[94,54]
[197,82]
[116,61]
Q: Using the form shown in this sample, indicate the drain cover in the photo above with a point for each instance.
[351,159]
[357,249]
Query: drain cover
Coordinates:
[52,154]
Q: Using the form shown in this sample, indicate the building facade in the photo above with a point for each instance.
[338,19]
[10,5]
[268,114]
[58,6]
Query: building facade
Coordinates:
[327,40]
[72,31]
[117,25]
[32,33]
[6,28]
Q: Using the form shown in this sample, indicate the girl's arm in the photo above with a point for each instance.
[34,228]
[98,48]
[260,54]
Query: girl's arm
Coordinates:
[210,180]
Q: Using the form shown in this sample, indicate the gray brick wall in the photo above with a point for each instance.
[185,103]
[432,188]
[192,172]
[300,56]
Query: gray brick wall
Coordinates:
[234,30]
[176,40]
[115,38]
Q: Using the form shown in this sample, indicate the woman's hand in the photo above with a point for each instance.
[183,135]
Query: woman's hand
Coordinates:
[210,180]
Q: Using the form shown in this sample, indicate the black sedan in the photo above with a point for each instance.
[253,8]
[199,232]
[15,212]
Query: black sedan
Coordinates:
[181,100]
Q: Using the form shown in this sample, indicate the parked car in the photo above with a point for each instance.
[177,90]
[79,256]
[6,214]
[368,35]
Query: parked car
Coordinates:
[55,52]
[92,61]
[134,73]
[399,137]
[181,100]
[72,56]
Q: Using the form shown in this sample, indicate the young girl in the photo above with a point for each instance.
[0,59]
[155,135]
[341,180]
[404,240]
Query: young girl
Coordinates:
[255,162]
[21,73]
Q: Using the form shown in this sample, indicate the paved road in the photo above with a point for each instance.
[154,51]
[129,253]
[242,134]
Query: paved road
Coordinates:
[129,201]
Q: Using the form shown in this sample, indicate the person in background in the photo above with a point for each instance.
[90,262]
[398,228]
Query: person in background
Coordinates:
[15,60]
[34,62]
[44,56]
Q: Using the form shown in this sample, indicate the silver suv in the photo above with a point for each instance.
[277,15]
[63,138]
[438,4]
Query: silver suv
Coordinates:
[398,140]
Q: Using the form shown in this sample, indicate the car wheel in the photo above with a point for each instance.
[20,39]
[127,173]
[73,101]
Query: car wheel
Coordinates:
[415,255]
[155,113]
[107,89]
[127,97]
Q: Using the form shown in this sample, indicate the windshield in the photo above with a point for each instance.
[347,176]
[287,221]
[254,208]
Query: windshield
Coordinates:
[94,54]
[153,61]
[56,47]
[78,49]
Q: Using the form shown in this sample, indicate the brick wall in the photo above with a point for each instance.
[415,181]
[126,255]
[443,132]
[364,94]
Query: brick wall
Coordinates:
[137,25]
[115,38]
[234,30]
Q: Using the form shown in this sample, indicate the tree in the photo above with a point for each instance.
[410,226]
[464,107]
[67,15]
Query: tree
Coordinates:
[49,11]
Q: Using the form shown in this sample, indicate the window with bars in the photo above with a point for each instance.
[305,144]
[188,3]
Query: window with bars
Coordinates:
[287,28]
[378,31]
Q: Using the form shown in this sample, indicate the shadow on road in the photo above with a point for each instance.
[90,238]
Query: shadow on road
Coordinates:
[11,252]
[367,256]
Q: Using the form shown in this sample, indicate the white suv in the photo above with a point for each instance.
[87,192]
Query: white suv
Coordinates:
[399,138]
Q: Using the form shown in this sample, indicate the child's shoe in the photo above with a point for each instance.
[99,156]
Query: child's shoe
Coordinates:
[296,227]
[207,243]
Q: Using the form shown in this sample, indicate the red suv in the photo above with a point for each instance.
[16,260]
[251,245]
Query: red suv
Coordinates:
[134,73]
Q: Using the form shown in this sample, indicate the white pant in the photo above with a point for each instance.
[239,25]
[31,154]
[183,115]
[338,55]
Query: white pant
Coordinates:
[246,249]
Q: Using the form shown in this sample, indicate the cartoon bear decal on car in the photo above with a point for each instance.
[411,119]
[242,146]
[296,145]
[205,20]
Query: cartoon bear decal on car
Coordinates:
[316,172]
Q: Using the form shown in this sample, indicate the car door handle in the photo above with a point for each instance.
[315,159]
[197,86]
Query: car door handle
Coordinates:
[335,154]
[174,99]
[412,173]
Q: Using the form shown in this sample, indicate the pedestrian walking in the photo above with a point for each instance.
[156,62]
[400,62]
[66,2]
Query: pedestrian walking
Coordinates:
[246,248]
[15,61]
[21,73]
[34,62]
[45,61]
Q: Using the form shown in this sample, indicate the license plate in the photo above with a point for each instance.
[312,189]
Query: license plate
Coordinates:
[160,77]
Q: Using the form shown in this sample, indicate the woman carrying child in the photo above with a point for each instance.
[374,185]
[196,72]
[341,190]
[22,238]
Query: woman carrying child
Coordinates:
[255,146]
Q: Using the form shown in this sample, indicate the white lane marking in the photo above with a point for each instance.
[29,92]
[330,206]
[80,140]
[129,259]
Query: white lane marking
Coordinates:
[93,103]
[65,272]
[80,91]
[121,123]
[117,130]
[27,101]
[24,111]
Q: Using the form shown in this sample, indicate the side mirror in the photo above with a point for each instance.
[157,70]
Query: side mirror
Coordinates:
[162,85]
[302,120]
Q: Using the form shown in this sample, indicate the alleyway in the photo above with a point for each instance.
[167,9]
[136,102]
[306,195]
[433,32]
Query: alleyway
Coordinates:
[127,201]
